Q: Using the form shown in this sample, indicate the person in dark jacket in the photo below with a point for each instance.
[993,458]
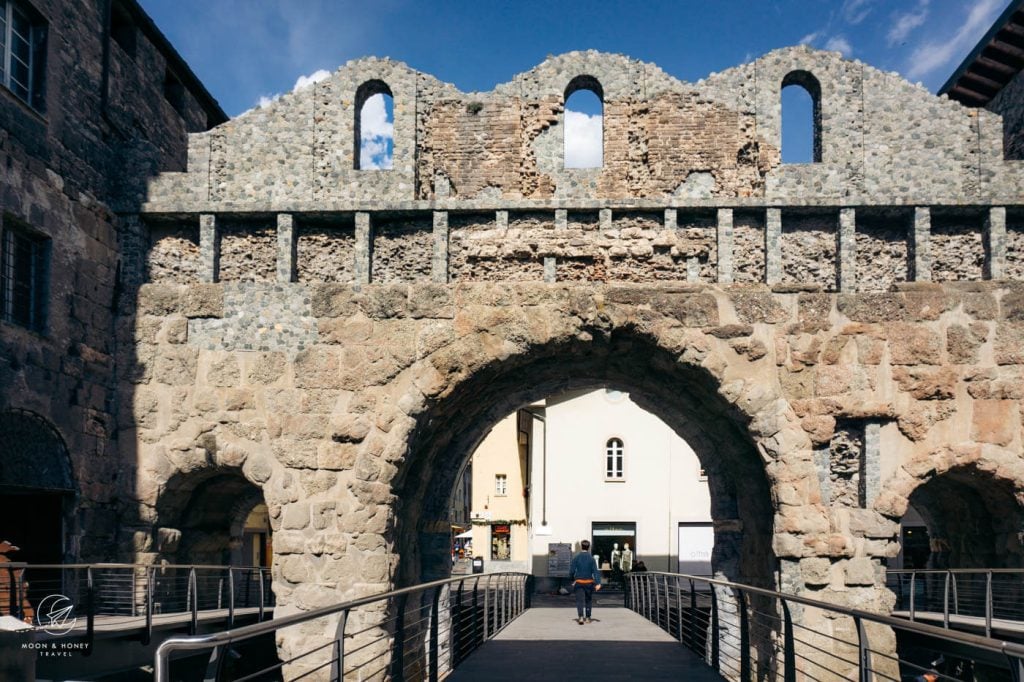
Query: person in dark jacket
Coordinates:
[586,579]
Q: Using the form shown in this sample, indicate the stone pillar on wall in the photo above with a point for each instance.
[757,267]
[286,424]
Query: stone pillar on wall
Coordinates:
[209,248]
[872,462]
[846,270]
[773,245]
[286,240]
[920,246]
[995,243]
[363,247]
[725,245]
[501,220]
[604,219]
[439,261]
[561,219]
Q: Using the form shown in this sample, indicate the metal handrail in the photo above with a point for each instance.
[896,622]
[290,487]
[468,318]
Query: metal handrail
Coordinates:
[979,600]
[650,604]
[213,642]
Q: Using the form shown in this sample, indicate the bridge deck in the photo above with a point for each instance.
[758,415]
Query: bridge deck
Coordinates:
[546,643]
[1012,628]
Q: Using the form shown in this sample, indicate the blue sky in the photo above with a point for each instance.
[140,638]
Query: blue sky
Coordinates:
[245,50]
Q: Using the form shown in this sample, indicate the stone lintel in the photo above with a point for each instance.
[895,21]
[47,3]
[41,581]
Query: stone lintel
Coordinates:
[725,245]
[995,243]
[285,247]
[439,261]
[773,245]
[363,248]
[209,248]
[846,270]
[920,245]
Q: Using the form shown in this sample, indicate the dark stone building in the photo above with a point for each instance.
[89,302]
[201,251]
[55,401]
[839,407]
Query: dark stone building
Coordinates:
[94,101]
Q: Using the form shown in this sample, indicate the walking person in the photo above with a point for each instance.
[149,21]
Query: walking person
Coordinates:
[586,579]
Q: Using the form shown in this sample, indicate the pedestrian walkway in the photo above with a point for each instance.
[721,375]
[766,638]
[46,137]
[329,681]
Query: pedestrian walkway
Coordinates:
[546,643]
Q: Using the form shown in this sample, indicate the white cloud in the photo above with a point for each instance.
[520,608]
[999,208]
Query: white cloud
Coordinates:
[809,38]
[583,143]
[839,44]
[933,56]
[856,11]
[315,77]
[300,83]
[904,24]
[376,135]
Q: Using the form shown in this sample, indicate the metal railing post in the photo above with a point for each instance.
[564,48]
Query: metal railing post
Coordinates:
[863,651]
[193,598]
[340,636]
[693,616]
[263,600]
[90,610]
[398,648]
[147,636]
[231,598]
[434,638]
[476,613]
[988,603]
[788,645]
[741,605]
[679,611]
[913,590]
[715,653]
[945,600]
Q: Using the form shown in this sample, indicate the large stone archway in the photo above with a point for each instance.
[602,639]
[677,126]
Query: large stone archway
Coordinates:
[684,395]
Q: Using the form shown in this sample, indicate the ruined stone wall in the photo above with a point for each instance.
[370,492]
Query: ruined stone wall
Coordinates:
[402,250]
[1009,103]
[314,391]
[957,249]
[247,252]
[809,244]
[883,256]
[716,139]
[68,170]
[326,251]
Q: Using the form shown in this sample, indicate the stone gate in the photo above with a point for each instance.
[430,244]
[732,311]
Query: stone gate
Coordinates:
[831,338]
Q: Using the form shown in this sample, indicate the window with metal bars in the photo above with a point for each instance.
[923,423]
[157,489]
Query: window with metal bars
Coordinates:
[24,277]
[614,456]
[23,48]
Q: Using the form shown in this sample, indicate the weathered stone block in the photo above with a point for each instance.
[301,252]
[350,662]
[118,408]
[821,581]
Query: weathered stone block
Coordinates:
[914,345]
[994,421]
[872,307]
[433,301]
[332,300]
[295,516]
[926,383]
[815,571]
[159,299]
[759,307]
[203,300]
[1009,343]
[860,571]
[175,365]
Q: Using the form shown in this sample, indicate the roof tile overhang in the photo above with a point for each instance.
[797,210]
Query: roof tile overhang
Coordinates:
[997,58]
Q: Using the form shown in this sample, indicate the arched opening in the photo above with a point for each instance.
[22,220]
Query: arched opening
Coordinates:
[801,118]
[972,519]
[37,494]
[584,123]
[374,126]
[559,478]
[214,517]
[962,519]
[683,397]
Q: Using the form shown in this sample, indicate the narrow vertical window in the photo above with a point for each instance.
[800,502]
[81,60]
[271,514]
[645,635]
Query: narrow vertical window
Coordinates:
[374,126]
[801,118]
[584,123]
[23,46]
[500,484]
[614,452]
[24,277]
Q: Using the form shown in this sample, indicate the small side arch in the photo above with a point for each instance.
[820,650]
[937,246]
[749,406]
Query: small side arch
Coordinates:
[803,129]
[364,92]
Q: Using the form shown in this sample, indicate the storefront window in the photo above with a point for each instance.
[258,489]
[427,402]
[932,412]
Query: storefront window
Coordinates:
[501,542]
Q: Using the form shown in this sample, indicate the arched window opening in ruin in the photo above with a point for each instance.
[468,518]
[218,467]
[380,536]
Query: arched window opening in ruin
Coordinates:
[614,452]
[36,496]
[801,118]
[584,123]
[374,126]
[214,517]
